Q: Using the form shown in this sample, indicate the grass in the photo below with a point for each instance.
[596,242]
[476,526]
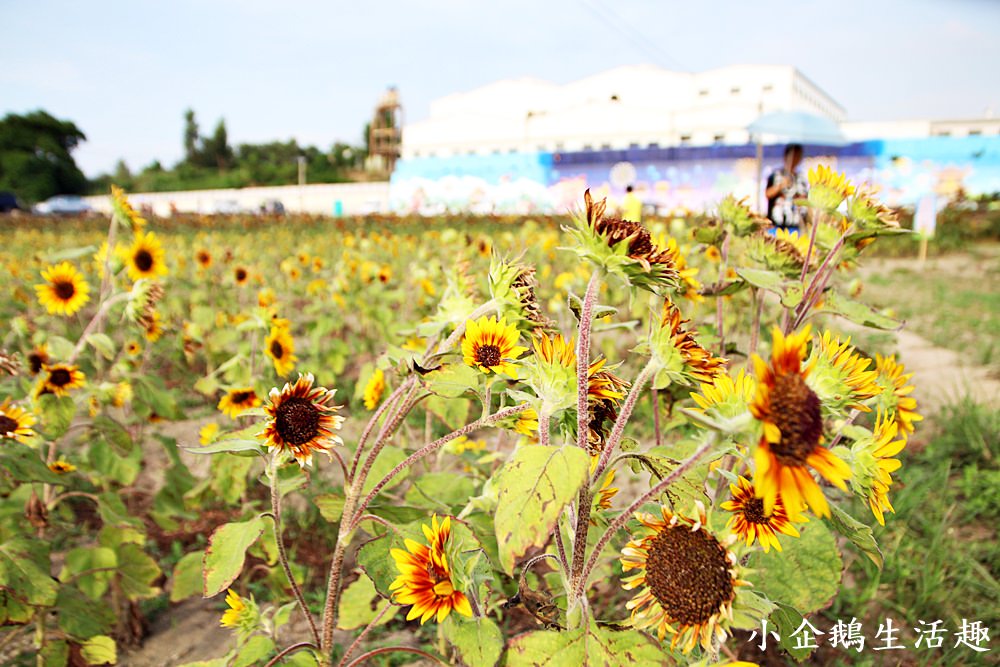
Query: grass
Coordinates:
[940,548]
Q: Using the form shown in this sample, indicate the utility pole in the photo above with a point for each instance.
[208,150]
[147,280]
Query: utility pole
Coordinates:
[302,169]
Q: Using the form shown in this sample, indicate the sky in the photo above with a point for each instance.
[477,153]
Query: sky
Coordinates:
[125,72]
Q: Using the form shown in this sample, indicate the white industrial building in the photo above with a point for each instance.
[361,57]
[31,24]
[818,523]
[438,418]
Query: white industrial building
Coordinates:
[626,107]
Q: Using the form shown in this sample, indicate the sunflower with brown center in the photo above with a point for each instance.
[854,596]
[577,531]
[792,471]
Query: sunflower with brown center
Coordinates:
[153,327]
[490,345]
[15,422]
[792,419]
[751,522]
[60,379]
[204,258]
[145,258]
[61,467]
[37,358]
[688,580]
[64,291]
[280,347]
[236,401]
[426,580]
[302,420]
[896,396]
[241,275]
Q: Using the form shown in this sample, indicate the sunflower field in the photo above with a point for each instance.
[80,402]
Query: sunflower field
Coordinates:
[464,441]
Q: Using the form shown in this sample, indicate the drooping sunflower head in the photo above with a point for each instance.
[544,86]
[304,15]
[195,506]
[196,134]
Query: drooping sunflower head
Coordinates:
[374,389]
[512,285]
[872,462]
[153,327]
[791,416]
[64,291]
[827,188]
[678,354]
[895,397]
[622,247]
[243,614]
[238,400]
[687,580]
[15,422]
[527,423]
[868,213]
[37,358]
[840,376]
[749,520]
[123,209]
[784,251]
[426,580]
[607,492]
[280,347]
[604,393]
[726,397]
[145,258]
[490,345]
[302,420]
[60,379]
[689,286]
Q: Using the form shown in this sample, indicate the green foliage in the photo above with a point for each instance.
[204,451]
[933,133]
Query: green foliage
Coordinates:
[479,642]
[226,551]
[591,646]
[36,160]
[805,574]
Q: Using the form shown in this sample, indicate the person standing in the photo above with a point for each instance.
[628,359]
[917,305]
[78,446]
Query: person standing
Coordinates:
[784,186]
[631,206]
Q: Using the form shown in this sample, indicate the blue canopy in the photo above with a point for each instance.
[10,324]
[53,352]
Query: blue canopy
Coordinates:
[799,127]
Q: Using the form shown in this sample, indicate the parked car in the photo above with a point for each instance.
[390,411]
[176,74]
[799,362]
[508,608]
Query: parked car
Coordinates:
[272,207]
[8,202]
[63,205]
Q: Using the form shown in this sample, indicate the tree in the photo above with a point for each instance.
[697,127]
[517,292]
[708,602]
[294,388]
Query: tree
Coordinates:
[216,149]
[190,137]
[36,160]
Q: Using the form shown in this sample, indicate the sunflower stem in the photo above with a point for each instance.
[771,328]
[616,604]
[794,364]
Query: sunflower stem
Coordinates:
[331,607]
[624,414]
[459,331]
[393,397]
[288,651]
[809,248]
[390,649]
[583,358]
[818,283]
[757,301]
[392,420]
[272,473]
[95,322]
[719,314]
[364,633]
[622,519]
[657,437]
[544,434]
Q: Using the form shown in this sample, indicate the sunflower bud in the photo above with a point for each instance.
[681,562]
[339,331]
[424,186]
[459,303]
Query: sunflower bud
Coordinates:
[827,188]
[551,373]
[840,376]
[243,615]
[737,216]
[784,252]
[678,356]
[512,285]
[868,213]
[871,461]
[123,210]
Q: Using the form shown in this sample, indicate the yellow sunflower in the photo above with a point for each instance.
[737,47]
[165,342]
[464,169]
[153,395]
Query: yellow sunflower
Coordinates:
[751,522]
[242,615]
[145,258]
[679,354]
[790,413]
[281,348]
[840,376]
[302,419]
[491,346]
[374,389]
[236,401]
[203,257]
[133,348]
[688,580]
[61,467]
[64,291]
[724,396]
[15,422]
[873,463]
[153,326]
[60,379]
[606,492]
[241,275]
[895,398]
[120,204]
[827,188]
[37,358]
[527,423]
[425,580]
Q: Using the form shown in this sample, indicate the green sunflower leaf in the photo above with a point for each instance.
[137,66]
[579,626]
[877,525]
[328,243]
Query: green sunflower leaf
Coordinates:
[858,533]
[479,642]
[805,574]
[226,552]
[585,647]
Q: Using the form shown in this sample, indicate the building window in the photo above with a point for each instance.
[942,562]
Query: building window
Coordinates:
[653,144]
[942,133]
[633,146]
[735,90]
[685,139]
[614,98]
[975,133]
[703,92]
[560,147]
[588,147]
[719,138]
[605,147]
[768,87]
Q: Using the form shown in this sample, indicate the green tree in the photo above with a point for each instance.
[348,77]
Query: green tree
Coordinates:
[191,137]
[36,160]
[216,149]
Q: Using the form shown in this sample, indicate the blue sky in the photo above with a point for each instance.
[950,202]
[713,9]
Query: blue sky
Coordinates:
[126,71]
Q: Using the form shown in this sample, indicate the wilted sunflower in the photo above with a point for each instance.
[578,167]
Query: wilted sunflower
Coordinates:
[15,422]
[145,258]
[237,401]
[604,392]
[873,464]
[302,419]
[60,379]
[839,375]
[751,522]
[792,418]
[491,346]
[895,397]
[153,327]
[688,580]
[203,257]
[64,291]
[606,492]
[425,580]
[121,206]
[37,358]
[374,389]
[281,348]
[681,358]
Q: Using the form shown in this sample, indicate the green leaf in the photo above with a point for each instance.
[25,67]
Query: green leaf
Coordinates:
[113,433]
[100,650]
[386,460]
[54,654]
[136,572]
[330,506]
[440,491]
[24,464]
[114,513]
[858,312]
[110,466]
[772,281]
[787,621]
[207,386]
[226,551]
[81,616]
[805,574]
[453,411]
[585,647]
[532,489]
[24,571]
[230,445]
[13,612]
[79,560]
[151,396]
[858,533]
[229,477]
[479,641]
[661,461]
[453,380]
[186,580]
[68,254]
[360,603]
[103,344]
[57,414]
[254,651]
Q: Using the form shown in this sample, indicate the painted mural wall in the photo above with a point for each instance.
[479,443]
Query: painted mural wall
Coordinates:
[683,178]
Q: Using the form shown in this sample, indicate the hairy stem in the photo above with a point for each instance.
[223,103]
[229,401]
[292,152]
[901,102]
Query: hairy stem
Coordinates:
[370,426]
[544,435]
[719,314]
[392,649]
[364,633]
[583,358]
[288,651]
[618,430]
[331,607]
[819,282]
[757,301]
